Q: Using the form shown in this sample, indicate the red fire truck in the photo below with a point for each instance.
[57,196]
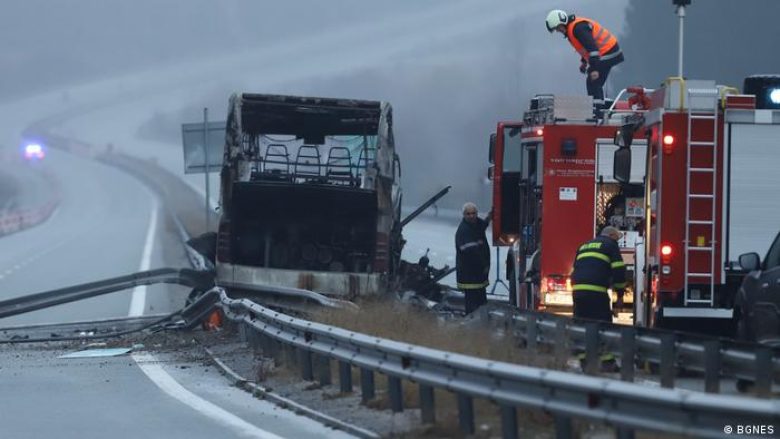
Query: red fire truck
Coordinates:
[711,195]
[553,189]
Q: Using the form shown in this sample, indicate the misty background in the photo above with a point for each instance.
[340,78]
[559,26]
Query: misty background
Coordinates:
[448,91]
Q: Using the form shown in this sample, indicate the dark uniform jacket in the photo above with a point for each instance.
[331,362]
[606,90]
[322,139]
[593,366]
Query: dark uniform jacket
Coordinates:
[598,266]
[472,255]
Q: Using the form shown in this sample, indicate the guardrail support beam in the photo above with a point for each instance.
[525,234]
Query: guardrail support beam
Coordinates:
[764,372]
[345,377]
[531,333]
[367,385]
[395,391]
[508,422]
[667,360]
[627,353]
[561,348]
[306,367]
[466,414]
[712,366]
[592,352]
[323,370]
[624,433]
[427,404]
[563,427]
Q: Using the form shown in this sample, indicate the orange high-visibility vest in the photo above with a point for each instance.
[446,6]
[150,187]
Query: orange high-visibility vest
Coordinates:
[603,38]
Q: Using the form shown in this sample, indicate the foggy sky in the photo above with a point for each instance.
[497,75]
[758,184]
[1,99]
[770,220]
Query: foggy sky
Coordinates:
[447,95]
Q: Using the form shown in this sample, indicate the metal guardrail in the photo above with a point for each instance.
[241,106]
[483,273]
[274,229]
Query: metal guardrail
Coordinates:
[32,302]
[627,406]
[714,357]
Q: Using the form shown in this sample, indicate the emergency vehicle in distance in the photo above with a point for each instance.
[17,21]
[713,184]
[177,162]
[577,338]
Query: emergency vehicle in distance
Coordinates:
[553,189]
[310,195]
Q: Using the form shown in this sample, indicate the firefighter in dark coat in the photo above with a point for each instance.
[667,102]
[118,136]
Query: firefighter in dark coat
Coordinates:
[472,257]
[598,266]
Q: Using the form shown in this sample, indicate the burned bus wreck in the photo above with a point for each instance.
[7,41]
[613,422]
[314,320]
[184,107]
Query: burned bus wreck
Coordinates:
[310,195]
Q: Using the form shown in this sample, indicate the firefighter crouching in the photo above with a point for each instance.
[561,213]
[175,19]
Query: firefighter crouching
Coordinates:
[598,266]
[472,257]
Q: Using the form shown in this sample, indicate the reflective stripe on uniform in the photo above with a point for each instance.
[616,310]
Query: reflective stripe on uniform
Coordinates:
[601,256]
[618,264]
[462,286]
[590,245]
[619,285]
[589,287]
[599,36]
[611,55]
[468,245]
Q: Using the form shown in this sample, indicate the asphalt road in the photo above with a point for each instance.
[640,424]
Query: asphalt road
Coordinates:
[98,231]
[110,224]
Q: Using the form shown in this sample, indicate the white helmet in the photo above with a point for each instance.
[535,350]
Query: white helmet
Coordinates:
[555,18]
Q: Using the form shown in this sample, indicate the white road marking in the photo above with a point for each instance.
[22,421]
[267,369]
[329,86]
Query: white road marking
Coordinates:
[138,300]
[166,383]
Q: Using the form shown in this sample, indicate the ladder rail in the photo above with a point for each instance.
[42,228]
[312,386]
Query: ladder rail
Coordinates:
[697,115]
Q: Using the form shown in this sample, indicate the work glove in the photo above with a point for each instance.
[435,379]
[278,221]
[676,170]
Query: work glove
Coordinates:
[583,66]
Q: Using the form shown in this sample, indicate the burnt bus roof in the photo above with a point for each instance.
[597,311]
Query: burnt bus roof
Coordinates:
[308,116]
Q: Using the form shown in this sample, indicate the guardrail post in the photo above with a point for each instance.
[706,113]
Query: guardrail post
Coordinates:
[764,372]
[323,370]
[563,427]
[712,366]
[592,352]
[306,367]
[667,360]
[345,377]
[274,347]
[625,433]
[531,332]
[242,333]
[508,422]
[427,404]
[366,385]
[627,353]
[561,348]
[253,338]
[466,413]
[290,356]
[396,394]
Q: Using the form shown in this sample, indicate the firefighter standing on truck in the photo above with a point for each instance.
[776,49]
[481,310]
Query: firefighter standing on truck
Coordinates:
[598,48]
[598,266]
[472,257]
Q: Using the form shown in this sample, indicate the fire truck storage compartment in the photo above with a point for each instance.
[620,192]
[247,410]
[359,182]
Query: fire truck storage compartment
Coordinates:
[754,186]
[303,226]
[619,205]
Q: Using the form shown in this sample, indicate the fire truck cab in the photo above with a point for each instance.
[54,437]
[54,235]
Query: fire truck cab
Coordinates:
[553,189]
[711,160]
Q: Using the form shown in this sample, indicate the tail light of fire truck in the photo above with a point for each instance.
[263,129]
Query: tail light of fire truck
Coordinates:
[557,282]
[668,143]
[666,258]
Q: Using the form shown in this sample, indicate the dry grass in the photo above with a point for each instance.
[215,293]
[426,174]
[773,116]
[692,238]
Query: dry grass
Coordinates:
[397,321]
